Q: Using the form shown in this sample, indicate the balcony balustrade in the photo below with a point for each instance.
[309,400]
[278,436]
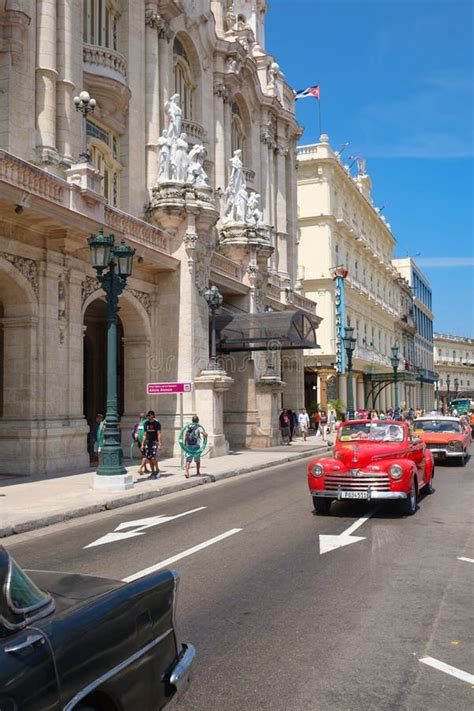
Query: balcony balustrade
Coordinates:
[102,60]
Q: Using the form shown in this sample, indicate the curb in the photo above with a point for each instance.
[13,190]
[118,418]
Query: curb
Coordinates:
[116,503]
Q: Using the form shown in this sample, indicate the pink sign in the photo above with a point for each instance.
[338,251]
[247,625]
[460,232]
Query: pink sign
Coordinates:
[168,388]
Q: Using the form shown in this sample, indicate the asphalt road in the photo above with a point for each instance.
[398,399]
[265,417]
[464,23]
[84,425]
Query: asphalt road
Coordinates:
[279,626]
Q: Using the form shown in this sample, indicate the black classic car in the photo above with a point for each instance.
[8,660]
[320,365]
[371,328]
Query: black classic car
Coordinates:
[87,643]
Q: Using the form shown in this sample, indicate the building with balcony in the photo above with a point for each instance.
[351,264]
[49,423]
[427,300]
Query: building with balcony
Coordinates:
[454,364]
[132,58]
[423,316]
[345,258]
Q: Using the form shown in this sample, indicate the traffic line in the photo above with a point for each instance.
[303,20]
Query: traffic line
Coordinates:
[179,556]
[448,669]
[466,560]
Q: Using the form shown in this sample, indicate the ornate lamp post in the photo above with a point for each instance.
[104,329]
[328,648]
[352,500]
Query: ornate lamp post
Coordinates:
[118,263]
[349,345]
[394,361]
[421,372]
[437,394]
[86,105]
[456,387]
[448,383]
[214,300]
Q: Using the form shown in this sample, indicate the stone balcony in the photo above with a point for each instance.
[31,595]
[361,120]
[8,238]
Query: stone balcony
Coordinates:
[194,131]
[249,175]
[105,61]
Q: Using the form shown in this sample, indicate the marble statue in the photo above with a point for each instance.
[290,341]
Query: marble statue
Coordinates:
[175,116]
[179,159]
[254,213]
[164,144]
[236,191]
[196,173]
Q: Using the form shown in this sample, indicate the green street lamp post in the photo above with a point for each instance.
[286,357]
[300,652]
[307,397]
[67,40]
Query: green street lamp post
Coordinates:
[456,387]
[214,300]
[448,384]
[421,372]
[394,360]
[113,266]
[349,344]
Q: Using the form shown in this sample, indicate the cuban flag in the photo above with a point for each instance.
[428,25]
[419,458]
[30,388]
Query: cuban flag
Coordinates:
[310,91]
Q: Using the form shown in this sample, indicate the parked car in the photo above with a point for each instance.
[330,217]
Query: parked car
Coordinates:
[445,437]
[373,460]
[88,643]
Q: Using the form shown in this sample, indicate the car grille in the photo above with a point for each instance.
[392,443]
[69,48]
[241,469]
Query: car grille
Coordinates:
[360,482]
[437,446]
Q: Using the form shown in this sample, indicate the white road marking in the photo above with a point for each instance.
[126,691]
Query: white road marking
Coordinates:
[467,560]
[179,556]
[139,527]
[448,669]
[331,543]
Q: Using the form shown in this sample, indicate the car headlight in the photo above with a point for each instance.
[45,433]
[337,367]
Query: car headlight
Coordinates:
[317,470]
[395,471]
[455,445]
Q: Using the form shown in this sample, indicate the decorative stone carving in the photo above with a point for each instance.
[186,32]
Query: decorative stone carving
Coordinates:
[179,160]
[62,315]
[89,286]
[155,21]
[222,92]
[142,297]
[175,116]
[236,192]
[254,213]
[27,267]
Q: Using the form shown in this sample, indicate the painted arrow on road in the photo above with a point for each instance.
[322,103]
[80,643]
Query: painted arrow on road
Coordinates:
[138,527]
[331,543]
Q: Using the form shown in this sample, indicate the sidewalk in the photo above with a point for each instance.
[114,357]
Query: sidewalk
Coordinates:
[28,503]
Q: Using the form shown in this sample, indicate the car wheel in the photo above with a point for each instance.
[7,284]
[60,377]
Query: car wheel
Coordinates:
[408,505]
[463,459]
[429,488]
[321,506]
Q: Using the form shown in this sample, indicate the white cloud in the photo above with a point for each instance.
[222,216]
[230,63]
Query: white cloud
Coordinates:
[445,262]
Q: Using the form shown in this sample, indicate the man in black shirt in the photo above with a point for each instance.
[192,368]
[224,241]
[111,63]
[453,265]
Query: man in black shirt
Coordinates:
[151,443]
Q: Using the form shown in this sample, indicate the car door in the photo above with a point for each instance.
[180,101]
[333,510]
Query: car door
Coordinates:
[417,455]
[27,672]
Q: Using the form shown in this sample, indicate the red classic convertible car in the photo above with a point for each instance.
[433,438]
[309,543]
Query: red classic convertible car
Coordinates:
[373,459]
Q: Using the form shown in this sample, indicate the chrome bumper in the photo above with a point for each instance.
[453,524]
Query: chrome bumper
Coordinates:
[325,493]
[445,453]
[180,676]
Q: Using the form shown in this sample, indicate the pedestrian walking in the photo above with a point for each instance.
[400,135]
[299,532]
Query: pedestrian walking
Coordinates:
[94,438]
[332,421]
[291,416]
[284,420]
[303,423]
[193,441]
[151,443]
[137,436]
[323,424]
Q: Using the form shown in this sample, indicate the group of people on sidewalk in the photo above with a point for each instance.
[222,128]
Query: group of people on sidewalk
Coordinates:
[293,424]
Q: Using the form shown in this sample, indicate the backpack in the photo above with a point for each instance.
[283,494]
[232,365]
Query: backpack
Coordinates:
[191,436]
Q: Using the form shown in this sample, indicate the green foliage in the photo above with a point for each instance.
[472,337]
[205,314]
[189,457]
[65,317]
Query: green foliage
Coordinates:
[338,406]
[314,407]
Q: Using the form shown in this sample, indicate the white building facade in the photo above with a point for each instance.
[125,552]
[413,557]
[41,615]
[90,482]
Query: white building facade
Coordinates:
[132,58]
[340,231]
[454,364]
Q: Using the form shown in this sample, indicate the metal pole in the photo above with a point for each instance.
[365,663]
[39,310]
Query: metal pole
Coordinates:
[422,393]
[111,459]
[395,383]
[181,424]
[350,394]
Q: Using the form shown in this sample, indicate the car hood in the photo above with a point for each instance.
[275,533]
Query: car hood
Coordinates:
[440,437]
[355,455]
[68,589]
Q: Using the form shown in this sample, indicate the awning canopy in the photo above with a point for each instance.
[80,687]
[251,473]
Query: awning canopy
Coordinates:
[270,330]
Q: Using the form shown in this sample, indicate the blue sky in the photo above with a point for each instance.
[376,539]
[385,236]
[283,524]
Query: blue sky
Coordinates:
[396,80]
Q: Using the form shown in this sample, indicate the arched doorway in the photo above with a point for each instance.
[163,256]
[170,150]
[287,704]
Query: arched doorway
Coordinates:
[133,359]
[95,361]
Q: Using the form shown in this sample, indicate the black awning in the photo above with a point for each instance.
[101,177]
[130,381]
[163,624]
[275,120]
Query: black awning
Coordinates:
[268,330]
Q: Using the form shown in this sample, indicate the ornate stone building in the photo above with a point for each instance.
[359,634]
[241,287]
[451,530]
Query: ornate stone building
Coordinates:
[339,227]
[454,363]
[133,58]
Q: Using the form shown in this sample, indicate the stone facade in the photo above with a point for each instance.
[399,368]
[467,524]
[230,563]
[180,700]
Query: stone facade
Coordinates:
[132,57]
[339,226]
[454,363]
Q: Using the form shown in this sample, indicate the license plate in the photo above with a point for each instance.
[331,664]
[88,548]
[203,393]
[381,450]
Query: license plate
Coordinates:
[354,495]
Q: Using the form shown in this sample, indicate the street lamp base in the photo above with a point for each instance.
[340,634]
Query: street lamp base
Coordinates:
[114,482]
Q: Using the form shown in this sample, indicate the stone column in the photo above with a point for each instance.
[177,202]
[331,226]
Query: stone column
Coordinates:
[152,91]
[280,210]
[210,388]
[46,76]
[220,97]
[18,439]
[67,21]
[166,80]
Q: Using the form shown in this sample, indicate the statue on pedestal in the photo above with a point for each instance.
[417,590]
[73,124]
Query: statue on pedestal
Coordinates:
[164,144]
[179,159]
[236,191]
[254,215]
[175,115]
[196,173]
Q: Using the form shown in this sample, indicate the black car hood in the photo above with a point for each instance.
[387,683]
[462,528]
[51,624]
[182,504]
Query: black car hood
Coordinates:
[70,588]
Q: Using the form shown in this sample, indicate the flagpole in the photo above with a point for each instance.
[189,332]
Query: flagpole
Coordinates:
[319,115]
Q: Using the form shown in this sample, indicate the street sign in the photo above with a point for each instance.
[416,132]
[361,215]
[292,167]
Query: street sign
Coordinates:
[168,388]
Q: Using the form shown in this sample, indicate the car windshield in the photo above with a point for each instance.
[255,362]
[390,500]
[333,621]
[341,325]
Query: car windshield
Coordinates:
[23,594]
[371,431]
[436,426]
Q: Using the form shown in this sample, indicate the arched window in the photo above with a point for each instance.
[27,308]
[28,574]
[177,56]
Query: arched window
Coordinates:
[237,130]
[183,83]
[100,22]
[103,151]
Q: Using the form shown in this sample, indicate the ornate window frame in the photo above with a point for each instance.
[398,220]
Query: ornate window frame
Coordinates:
[100,23]
[102,147]
[183,79]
